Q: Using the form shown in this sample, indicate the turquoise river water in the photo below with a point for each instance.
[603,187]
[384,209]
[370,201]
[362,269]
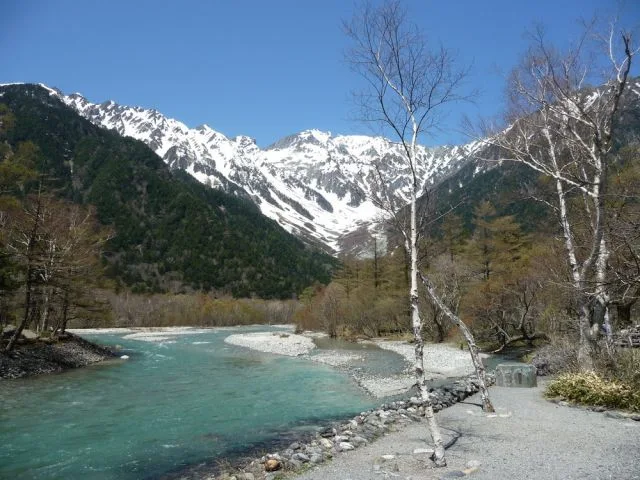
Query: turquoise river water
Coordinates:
[171,405]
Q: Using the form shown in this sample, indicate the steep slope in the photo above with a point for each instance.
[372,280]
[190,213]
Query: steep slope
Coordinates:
[314,184]
[172,232]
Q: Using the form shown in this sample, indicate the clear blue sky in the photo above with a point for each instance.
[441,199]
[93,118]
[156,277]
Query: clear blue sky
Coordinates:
[260,68]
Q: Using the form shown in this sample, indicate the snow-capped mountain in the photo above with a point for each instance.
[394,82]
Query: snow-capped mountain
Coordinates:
[316,185]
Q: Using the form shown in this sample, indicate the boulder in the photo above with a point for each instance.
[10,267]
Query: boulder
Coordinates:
[326,444]
[345,446]
[271,465]
[328,432]
[29,334]
[516,375]
[301,457]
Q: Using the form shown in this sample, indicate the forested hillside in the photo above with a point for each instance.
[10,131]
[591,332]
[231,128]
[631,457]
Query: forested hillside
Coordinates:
[517,190]
[170,233]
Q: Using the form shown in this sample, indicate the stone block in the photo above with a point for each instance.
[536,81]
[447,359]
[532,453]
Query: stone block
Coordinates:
[516,375]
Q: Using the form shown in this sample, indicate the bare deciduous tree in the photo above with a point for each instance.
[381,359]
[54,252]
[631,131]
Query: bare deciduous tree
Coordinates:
[565,131]
[406,84]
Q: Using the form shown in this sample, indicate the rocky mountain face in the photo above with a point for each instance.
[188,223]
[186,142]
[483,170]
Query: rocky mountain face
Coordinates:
[316,185]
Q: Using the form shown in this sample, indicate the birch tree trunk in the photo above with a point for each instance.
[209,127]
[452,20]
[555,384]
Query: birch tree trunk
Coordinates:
[487,406]
[28,312]
[407,81]
[416,323]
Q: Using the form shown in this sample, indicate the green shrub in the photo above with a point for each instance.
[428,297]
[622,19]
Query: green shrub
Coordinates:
[591,389]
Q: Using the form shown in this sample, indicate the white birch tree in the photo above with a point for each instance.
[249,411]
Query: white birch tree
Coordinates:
[565,131]
[406,85]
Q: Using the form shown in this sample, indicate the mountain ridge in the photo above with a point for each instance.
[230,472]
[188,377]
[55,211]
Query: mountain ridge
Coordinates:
[316,185]
[172,233]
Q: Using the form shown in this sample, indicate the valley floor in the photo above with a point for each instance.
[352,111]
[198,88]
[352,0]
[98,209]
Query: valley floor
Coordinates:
[528,438]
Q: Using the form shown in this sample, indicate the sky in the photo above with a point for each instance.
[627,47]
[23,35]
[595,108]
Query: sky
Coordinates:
[263,68]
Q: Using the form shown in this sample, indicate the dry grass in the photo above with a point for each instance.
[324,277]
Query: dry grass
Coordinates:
[589,388]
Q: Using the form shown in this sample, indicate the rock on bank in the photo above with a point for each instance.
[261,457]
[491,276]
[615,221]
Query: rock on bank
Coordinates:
[39,357]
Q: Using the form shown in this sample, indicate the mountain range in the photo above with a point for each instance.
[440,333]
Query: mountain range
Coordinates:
[171,232]
[316,185]
[190,205]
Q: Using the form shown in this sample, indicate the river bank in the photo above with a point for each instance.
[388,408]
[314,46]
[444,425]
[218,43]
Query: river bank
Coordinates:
[184,397]
[38,357]
[319,449]
[233,401]
[292,454]
[442,361]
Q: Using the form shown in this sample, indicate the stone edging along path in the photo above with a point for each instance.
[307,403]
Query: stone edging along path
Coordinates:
[349,435]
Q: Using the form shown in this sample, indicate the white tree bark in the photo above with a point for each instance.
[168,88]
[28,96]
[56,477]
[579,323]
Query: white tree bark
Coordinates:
[416,323]
[407,81]
[487,406]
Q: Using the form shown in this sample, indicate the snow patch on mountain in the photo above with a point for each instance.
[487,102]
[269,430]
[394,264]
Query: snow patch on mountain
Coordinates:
[316,185]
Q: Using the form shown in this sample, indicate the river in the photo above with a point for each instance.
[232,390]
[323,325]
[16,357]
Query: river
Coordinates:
[174,403]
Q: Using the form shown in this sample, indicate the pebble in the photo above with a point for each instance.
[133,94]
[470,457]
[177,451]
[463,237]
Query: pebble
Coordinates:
[473,464]
[420,451]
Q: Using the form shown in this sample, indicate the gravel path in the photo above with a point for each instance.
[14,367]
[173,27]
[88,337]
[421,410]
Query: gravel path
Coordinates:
[528,438]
